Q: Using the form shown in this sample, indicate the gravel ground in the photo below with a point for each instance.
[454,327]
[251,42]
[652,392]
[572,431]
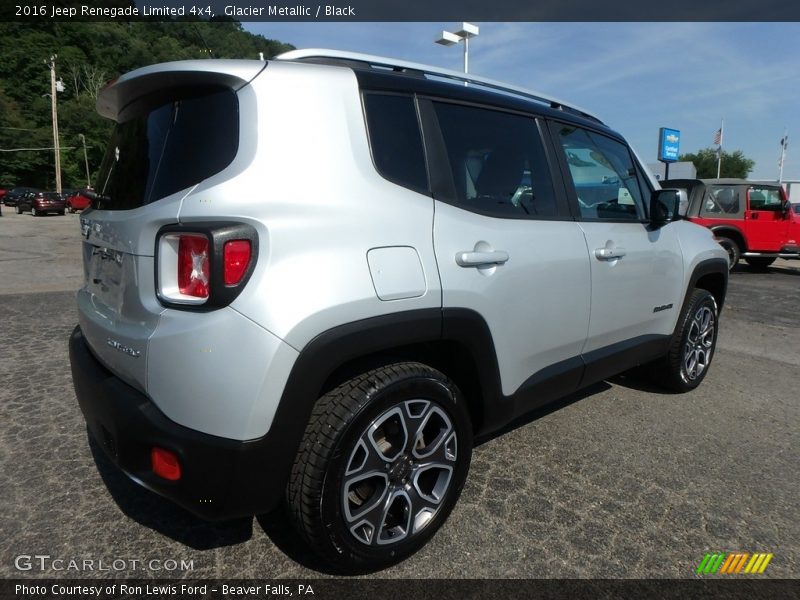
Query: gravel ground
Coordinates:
[620,480]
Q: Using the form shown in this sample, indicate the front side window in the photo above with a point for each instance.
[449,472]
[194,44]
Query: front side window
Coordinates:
[603,173]
[497,162]
[765,198]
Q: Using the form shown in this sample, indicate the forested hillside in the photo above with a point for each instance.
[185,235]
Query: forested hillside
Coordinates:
[89,55]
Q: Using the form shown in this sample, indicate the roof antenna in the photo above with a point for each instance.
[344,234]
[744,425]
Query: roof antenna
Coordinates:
[200,35]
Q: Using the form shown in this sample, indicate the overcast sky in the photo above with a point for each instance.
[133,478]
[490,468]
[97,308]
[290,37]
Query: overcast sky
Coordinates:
[637,77]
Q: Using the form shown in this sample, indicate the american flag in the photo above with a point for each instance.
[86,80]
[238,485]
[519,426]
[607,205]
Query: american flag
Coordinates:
[718,137]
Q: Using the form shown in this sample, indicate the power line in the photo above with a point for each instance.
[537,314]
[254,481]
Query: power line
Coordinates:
[36,149]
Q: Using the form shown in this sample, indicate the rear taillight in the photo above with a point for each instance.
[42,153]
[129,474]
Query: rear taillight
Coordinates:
[236,259]
[194,266]
[205,267]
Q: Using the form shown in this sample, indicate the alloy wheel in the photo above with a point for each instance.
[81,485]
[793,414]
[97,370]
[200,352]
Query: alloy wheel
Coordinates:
[399,472]
[699,343]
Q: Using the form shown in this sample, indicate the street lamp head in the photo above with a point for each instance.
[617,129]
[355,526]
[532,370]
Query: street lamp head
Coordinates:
[448,39]
[468,30]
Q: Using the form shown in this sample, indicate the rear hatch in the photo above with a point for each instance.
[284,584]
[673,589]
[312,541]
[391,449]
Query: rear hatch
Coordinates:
[177,124]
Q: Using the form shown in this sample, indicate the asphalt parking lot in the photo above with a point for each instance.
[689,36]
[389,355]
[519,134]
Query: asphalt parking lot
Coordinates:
[621,480]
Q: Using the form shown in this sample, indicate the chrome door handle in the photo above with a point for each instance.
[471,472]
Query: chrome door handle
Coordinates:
[609,253]
[478,259]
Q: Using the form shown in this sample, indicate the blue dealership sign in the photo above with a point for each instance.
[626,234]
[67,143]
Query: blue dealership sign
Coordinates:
[669,144]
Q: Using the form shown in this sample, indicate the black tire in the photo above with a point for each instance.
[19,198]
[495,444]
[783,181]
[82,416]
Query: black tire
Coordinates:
[677,371]
[19,210]
[733,250]
[34,212]
[758,263]
[338,482]
[61,212]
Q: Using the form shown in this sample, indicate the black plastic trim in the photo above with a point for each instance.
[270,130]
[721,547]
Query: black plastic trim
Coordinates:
[217,233]
[722,227]
[711,266]
[249,477]
[220,478]
[616,358]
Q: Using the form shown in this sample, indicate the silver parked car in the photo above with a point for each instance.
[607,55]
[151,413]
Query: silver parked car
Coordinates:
[315,280]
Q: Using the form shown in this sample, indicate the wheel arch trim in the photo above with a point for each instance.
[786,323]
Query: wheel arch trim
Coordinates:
[709,272]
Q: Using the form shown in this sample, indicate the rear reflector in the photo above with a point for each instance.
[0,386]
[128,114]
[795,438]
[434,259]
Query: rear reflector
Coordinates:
[236,256]
[193,266]
[165,464]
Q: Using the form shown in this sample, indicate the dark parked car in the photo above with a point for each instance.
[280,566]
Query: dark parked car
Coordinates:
[78,200]
[15,194]
[41,203]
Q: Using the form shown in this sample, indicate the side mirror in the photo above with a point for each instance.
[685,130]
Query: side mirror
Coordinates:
[665,206]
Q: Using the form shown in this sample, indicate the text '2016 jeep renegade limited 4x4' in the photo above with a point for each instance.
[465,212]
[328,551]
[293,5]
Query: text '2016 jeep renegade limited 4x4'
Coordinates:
[315,280]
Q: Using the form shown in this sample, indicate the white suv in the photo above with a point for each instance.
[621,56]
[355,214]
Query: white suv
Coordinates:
[317,279]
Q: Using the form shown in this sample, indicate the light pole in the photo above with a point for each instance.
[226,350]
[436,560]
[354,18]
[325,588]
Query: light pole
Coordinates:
[55,87]
[450,38]
[85,160]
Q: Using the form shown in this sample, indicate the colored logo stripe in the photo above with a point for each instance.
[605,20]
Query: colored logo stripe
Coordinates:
[758,563]
[711,562]
[734,562]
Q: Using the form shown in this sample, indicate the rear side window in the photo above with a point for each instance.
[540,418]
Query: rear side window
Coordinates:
[169,148]
[395,140]
[497,161]
[721,201]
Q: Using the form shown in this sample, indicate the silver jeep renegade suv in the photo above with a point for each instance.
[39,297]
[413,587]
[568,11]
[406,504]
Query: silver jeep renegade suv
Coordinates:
[313,281]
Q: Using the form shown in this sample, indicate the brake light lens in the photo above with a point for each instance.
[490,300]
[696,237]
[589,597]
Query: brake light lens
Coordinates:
[205,267]
[194,269]
[165,464]
[236,259]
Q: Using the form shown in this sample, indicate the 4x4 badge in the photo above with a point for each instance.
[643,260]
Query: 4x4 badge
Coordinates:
[117,346]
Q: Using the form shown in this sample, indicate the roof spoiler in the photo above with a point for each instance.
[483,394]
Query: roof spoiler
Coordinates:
[121,92]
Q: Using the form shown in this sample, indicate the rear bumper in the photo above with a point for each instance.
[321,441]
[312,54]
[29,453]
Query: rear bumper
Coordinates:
[220,478]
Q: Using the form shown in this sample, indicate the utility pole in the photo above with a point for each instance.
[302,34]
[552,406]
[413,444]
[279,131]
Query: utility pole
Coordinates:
[85,160]
[784,145]
[53,92]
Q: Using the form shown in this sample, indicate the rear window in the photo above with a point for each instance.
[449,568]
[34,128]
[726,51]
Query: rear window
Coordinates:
[169,148]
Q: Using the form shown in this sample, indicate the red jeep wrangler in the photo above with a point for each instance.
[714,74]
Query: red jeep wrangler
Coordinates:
[750,219]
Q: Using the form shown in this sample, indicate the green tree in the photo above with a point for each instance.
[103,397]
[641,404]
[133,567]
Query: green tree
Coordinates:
[89,55]
[734,164]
